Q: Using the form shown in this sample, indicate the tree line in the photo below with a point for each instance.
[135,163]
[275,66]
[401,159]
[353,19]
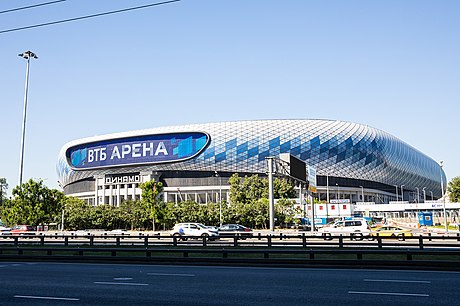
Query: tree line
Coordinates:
[35,204]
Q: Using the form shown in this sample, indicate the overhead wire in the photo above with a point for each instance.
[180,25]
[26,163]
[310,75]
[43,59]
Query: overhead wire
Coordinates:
[30,6]
[88,16]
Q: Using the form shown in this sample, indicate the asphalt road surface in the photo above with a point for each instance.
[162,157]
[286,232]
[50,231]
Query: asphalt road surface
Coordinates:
[108,284]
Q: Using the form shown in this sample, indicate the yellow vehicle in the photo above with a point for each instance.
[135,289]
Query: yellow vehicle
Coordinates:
[392,231]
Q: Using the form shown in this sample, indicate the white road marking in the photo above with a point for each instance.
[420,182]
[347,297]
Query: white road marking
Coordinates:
[397,281]
[46,298]
[123,284]
[122,278]
[388,293]
[171,274]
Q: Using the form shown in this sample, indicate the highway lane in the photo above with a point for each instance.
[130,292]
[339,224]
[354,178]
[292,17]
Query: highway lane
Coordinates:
[107,284]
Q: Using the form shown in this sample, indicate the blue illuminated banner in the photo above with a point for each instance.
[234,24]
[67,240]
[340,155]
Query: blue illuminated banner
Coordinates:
[146,149]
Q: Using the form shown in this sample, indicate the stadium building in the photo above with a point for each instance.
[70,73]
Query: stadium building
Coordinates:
[352,161]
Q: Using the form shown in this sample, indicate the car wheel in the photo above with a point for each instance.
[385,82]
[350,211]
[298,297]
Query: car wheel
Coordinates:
[357,236]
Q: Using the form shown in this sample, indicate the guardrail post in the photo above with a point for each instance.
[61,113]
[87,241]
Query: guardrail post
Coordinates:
[205,239]
[42,240]
[379,242]
[281,236]
[91,240]
[259,236]
[304,240]
[146,241]
[458,236]
[174,241]
[66,241]
[429,235]
[408,255]
[269,241]
[340,241]
[235,241]
[420,242]
[16,241]
[118,241]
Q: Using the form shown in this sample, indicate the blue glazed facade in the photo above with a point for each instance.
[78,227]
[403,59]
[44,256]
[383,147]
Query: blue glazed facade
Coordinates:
[335,148]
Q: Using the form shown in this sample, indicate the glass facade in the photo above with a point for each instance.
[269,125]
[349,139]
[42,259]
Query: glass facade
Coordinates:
[337,149]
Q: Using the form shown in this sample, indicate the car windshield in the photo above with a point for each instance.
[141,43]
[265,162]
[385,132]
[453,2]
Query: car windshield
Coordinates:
[201,225]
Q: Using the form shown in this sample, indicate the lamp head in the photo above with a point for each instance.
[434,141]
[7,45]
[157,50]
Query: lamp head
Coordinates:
[28,54]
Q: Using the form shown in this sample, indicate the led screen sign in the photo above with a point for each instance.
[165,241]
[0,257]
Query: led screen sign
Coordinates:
[136,150]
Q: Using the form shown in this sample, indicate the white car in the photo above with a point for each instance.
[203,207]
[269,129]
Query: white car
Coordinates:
[184,230]
[357,228]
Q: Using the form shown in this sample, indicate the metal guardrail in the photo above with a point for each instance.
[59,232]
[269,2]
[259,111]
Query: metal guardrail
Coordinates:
[440,252]
[259,240]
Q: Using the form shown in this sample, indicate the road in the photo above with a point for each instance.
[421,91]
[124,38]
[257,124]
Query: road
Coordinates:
[105,284]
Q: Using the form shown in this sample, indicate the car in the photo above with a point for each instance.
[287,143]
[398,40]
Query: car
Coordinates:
[119,231]
[392,231]
[23,230]
[356,228]
[4,231]
[232,230]
[193,230]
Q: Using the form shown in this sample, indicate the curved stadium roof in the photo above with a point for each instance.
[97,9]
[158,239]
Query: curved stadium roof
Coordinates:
[334,148]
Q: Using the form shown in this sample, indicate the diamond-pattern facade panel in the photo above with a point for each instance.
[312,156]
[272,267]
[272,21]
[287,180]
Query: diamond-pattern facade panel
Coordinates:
[335,148]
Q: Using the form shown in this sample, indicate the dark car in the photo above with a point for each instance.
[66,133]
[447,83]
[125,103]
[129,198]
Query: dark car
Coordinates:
[231,230]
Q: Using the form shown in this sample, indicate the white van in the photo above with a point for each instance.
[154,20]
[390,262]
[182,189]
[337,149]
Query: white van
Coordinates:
[356,228]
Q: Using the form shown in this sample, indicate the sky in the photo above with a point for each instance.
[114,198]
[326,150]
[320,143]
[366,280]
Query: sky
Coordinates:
[390,64]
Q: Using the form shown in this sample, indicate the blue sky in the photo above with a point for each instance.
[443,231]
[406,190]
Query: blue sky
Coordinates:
[393,65]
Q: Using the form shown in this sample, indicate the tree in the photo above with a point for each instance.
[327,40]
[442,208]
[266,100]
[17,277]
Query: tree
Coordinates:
[76,213]
[254,188]
[3,189]
[133,213]
[33,203]
[150,199]
[454,189]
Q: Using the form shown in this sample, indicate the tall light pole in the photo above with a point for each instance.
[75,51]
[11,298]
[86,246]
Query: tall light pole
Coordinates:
[338,191]
[26,55]
[418,194]
[397,197]
[424,194]
[362,193]
[443,199]
[220,198]
[402,193]
[431,192]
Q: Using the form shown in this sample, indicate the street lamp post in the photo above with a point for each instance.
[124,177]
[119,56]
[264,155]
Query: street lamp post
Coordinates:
[424,194]
[362,193]
[431,192]
[220,198]
[443,199]
[26,55]
[338,191]
[402,193]
[418,194]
